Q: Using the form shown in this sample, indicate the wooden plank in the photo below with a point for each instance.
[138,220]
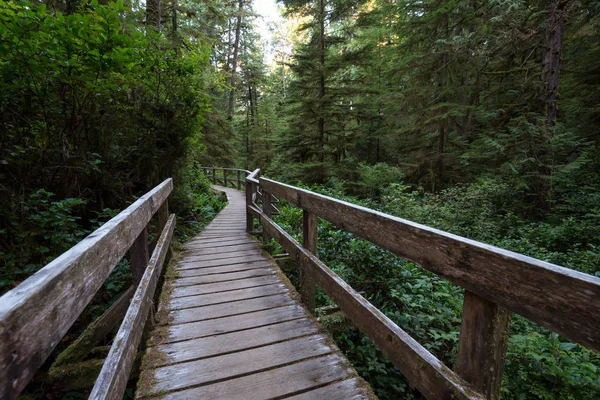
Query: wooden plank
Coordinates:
[181,376]
[220,256]
[226,309]
[185,273]
[177,333]
[349,389]
[561,299]
[224,286]
[219,244]
[268,384]
[195,349]
[219,239]
[209,250]
[225,277]
[115,372]
[36,314]
[219,262]
[482,344]
[226,297]
[308,289]
[423,370]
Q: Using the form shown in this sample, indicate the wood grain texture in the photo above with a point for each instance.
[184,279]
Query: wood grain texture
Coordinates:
[220,262]
[223,277]
[350,389]
[222,269]
[308,289]
[35,315]
[186,315]
[112,381]
[192,373]
[226,297]
[561,299]
[238,322]
[224,286]
[232,342]
[482,344]
[273,383]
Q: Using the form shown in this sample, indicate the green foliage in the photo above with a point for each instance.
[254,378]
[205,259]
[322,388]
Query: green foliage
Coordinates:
[94,110]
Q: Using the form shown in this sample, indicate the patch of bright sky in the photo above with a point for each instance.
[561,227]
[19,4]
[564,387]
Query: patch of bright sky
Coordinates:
[269,19]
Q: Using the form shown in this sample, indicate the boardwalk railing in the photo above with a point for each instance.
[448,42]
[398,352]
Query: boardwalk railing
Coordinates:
[35,316]
[237,177]
[496,282]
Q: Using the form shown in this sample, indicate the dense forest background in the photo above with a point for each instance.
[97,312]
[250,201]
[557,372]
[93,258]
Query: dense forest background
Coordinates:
[478,117]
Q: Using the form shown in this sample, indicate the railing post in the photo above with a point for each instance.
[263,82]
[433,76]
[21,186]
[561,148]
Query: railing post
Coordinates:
[214,175]
[239,181]
[139,256]
[224,177]
[163,216]
[482,344]
[266,205]
[308,289]
[249,217]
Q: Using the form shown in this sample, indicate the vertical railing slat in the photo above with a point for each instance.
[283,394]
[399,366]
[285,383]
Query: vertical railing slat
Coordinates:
[482,344]
[139,256]
[308,289]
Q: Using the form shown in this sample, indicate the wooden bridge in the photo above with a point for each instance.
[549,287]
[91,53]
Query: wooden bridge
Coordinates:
[229,324]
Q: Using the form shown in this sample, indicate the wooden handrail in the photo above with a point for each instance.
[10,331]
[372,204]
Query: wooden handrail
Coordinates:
[35,315]
[211,172]
[112,381]
[496,282]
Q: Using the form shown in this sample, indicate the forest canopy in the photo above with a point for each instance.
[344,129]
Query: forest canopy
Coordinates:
[479,117]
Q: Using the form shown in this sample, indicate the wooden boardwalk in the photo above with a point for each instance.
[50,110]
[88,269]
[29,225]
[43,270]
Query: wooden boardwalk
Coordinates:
[233,328]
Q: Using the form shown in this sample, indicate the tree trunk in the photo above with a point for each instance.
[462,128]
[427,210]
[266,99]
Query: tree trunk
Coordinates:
[153,13]
[322,79]
[236,47]
[174,18]
[551,64]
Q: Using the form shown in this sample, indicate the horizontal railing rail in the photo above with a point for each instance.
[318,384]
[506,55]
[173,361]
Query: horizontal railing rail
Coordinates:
[36,315]
[496,282]
[239,179]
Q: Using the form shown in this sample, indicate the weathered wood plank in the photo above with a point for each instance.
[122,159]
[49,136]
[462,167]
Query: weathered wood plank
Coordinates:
[268,384]
[226,309]
[561,299]
[224,286]
[226,297]
[220,262]
[218,242]
[209,250]
[139,256]
[177,333]
[308,289]
[419,366]
[224,277]
[115,372]
[220,256]
[186,273]
[350,389]
[180,376]
[230,342]
[35,315]
[482,344]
